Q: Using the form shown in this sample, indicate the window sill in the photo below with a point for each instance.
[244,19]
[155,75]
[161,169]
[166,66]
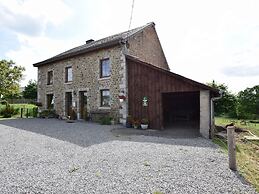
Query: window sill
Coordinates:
[68,82]
[104,108]
[104,78]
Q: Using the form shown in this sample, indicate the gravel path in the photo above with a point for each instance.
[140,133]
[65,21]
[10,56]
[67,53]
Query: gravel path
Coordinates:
[52,156]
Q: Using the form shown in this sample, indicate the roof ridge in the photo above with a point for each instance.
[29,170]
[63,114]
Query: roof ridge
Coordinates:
[101,43]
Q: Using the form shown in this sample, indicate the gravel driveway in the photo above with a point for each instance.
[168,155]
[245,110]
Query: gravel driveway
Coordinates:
[52,156]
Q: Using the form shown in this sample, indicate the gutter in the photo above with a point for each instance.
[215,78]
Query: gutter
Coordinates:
[212,120]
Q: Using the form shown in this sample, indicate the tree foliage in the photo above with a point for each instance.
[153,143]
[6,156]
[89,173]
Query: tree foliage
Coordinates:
[30,91]
[227,104]
[244,105]
[10,76]
[248,103]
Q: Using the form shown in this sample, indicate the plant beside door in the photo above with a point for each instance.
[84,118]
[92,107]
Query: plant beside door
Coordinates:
[144,123]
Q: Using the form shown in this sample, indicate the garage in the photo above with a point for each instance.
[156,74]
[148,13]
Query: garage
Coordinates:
[181,110]
[169,101]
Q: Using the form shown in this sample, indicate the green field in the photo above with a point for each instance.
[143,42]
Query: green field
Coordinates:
[247,151]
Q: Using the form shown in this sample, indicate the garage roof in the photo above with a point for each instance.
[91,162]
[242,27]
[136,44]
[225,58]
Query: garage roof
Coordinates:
[214,91]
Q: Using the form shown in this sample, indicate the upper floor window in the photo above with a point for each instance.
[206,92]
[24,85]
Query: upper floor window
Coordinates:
[68,74]
[105,98]
[50,78]
[105,68]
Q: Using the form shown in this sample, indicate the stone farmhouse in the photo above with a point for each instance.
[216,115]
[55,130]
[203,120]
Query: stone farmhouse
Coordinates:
[124,74]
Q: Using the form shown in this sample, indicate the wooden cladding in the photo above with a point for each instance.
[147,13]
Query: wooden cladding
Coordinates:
[144,80]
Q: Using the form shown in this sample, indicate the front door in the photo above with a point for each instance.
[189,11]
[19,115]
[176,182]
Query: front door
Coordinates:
[68,104]
[83,104]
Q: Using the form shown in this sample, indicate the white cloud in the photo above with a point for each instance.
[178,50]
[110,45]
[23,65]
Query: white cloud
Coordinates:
[28,20]
[31,17]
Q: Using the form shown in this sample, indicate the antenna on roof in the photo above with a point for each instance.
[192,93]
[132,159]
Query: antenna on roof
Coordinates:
[131,14]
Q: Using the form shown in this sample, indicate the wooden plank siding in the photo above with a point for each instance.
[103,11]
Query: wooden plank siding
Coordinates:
[147,80]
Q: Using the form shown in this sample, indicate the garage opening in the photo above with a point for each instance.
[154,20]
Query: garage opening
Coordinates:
[181,111]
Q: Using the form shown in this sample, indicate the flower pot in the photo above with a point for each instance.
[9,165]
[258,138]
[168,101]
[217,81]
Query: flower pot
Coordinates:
[135,126]
[144,126]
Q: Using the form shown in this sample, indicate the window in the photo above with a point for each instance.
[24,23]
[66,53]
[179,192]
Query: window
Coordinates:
[69,75]
[105,68]
[105,98]
[50,101]
[50,78]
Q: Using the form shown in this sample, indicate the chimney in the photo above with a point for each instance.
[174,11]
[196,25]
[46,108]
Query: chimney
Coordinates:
[89,41]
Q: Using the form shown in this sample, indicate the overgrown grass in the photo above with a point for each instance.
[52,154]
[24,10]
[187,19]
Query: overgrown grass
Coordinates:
[247,151]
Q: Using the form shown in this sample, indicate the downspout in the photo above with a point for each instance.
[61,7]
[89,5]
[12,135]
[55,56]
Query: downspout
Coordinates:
[212,120]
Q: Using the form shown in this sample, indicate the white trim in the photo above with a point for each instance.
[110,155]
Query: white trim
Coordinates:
[104,78]
[104,108]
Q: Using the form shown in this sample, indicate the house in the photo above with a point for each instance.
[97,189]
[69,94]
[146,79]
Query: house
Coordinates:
[124,74]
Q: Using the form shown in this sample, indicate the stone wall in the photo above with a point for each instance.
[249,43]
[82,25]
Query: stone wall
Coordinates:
[146,46]
[205,113]
[86,77]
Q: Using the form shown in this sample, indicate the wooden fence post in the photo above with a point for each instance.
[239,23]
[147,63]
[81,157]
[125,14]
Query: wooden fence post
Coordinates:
[231,148]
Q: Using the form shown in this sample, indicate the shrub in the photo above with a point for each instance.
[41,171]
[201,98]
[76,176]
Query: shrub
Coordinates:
[48,114]
[105,120]
[9,111]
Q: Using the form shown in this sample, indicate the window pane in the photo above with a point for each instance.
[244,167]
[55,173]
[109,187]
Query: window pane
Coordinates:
[69,75]
[105,97]
[105,67]
[50,78]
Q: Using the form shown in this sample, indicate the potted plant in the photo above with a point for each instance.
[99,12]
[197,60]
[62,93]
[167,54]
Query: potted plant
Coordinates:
[129,122]
[136,123]
[144,123]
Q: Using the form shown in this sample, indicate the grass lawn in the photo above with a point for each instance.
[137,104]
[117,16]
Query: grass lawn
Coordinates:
[18,106]
[247,151]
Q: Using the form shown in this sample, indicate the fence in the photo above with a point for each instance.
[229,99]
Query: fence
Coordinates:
[21,101]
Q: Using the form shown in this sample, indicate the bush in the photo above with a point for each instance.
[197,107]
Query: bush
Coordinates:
[105,120]
[9,111]
[48,114]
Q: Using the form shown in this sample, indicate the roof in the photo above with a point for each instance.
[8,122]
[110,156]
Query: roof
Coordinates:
[190,81]
[94,45]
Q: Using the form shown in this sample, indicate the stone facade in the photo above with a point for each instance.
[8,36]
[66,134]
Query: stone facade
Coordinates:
[86,74]
[146,46]
[86,77]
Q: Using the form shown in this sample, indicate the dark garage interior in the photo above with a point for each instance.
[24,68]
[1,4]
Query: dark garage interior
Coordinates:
[181,110]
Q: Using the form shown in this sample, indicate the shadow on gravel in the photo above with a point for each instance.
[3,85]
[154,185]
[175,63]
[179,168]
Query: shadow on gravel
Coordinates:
[85,134]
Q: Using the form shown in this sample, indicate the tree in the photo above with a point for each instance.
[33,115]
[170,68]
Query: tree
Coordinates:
[227,104]
[10,76]
[30,91]
[248,103]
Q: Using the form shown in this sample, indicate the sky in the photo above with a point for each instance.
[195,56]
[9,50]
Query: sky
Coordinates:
[203,40]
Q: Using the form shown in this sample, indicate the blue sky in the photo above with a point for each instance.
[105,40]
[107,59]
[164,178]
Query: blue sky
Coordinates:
[202,39]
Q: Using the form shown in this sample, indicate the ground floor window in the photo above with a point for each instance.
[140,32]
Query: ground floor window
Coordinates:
[105,98]
[50,101]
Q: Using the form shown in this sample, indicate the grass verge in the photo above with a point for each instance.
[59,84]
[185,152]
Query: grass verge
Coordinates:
[247,151]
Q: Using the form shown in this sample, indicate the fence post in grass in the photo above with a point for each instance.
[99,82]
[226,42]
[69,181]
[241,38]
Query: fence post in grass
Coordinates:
[21,112]
[231,148]
[27,113]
